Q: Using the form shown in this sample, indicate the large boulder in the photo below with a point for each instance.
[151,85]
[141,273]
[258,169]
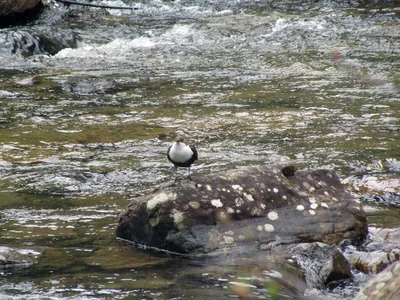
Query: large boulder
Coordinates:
[246,208]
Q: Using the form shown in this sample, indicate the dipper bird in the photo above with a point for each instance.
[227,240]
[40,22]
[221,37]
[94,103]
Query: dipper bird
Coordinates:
[181,155]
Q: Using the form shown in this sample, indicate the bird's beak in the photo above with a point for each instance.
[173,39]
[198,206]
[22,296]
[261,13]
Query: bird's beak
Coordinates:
[180,139]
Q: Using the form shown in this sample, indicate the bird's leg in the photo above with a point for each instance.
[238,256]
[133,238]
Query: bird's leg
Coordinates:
[189,174]
[176,172]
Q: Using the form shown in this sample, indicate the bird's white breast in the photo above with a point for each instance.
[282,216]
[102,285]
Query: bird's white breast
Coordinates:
[180,152]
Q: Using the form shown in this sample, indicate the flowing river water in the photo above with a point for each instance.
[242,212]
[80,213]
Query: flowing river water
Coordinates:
[90,100]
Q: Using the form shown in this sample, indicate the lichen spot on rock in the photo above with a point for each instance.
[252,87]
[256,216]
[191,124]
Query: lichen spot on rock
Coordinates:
[396,268]
[255,211]
[323,204]
[223,217]
[154,221]
[263,206]
[178,218]
[326,193]
[208,187]
[314,205]
[158,199]
[249,197]
[300,207]
[230,210]
[228,239]
[238,211]
[199,185]
[380,285]
[216,203]
[237,187]
[312,200]
[259,228]
[308,186]
[194,204]
[334,199]
[239,201]
[312,212]
[386,276]
[269,228]
[273,215]
[276,190]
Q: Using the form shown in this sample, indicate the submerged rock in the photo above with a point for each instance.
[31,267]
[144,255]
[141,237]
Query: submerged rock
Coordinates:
[15,257]
[384,285]
[381,187]
[247,208]
[321,263]
[381,249]
[375,261]
[28,42]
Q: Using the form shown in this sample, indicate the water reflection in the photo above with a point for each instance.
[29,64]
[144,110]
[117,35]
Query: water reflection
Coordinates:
[119,270]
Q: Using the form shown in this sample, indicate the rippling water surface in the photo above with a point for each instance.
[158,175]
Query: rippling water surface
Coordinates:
[90,100]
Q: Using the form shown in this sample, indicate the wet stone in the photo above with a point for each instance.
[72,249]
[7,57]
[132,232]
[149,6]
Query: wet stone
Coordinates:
[381,249]
[15,11]
[265,219]
[375,261]
[384,285]
[321,263]
[16,257]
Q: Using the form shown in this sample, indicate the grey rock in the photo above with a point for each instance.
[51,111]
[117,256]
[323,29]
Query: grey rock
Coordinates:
[17,257]
[321,263]
[252,208]
[383,286]
[13,11]
[8,7]
[373,262]
[381,249]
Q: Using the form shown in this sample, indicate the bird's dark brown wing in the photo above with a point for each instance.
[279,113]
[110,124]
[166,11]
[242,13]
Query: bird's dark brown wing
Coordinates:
[195,156]
[169,158]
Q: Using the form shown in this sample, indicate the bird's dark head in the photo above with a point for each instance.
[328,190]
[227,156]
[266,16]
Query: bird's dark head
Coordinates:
[180,139]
